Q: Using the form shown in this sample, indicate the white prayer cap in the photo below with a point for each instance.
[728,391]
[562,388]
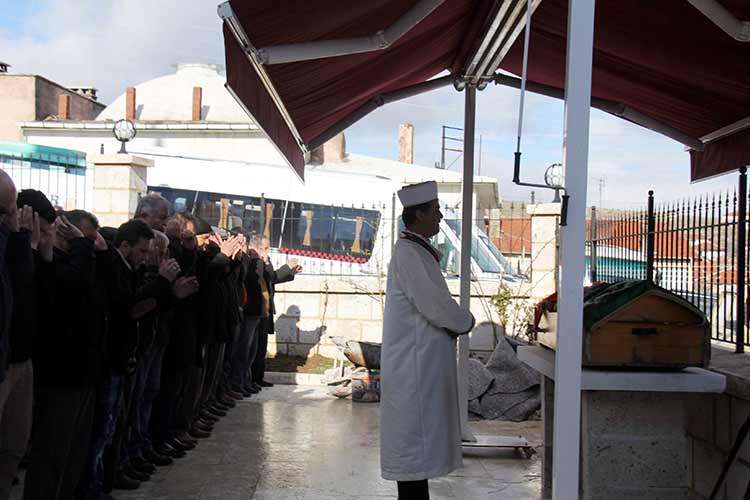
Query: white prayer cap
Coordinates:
[417,194]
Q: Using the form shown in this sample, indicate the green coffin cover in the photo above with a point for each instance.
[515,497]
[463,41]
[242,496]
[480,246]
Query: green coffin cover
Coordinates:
[602,300]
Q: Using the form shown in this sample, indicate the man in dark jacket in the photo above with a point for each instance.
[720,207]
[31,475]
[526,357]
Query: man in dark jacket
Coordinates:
[16,391]
[174,408]
[219,315]
[285,273]
[129,305]
[65,362]
[8,219]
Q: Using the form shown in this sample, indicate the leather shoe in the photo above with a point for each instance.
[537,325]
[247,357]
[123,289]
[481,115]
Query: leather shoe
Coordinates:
[135,474]
[205,415]
[143,466]
[201,425]
[237,396]
[216,412]
[185,438]
[166,449]
[263,383]
[222,405]
[247,394]
[199,434]
[156,458]
[123,482]
[180,445]
[227,402]
[257,386]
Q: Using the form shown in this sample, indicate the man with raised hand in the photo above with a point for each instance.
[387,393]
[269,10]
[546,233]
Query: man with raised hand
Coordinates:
[420,433]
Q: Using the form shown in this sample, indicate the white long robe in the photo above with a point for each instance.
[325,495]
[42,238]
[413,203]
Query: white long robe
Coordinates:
[420,432]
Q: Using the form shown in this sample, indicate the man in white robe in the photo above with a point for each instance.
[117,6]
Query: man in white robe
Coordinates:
[420,432]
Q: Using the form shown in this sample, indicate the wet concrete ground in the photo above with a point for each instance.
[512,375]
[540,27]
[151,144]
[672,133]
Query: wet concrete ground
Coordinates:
[299,443]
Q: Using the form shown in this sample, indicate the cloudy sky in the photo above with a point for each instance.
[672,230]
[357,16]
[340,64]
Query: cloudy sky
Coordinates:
[113,44]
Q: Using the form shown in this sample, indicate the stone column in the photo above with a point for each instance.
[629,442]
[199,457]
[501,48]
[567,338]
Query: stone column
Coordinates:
[545,220]
[119,181]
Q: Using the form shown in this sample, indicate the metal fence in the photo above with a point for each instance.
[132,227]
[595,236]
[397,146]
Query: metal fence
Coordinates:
[695,248]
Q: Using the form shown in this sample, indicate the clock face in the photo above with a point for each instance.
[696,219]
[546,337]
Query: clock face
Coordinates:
[124,130]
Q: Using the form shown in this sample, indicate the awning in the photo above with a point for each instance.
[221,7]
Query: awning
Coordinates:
[663,65]
[43,156]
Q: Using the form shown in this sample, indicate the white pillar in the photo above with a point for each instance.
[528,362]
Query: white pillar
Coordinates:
[467,225]
[567,422]
[119,181]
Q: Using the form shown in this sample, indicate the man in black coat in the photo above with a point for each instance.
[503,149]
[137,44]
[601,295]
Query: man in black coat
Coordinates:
[65,361]
[16,391]
[272,277]
[8,219]
[130,304]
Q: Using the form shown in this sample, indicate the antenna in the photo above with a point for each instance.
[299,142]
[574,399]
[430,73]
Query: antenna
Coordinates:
[601,183]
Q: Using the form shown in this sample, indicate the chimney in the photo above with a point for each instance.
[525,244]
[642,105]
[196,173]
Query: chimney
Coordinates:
[197,103]
[406,143]
[63,107]
[130,104]
[333,151]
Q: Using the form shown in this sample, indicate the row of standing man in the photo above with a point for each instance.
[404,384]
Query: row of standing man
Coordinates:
[121,348]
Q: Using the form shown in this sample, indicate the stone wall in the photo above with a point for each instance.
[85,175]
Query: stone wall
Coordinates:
[350,307]
[713,423]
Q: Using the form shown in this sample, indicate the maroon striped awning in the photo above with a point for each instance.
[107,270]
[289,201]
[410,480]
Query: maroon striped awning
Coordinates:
[666,60]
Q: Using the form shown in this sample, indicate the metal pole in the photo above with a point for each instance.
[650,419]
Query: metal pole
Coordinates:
[739,330]
[393,223]
[593,244]
[442,151]
[650,220]
[479,159]
[567,419]
[262,214]
[467,213]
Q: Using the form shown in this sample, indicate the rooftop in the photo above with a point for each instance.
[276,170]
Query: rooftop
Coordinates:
[169,98]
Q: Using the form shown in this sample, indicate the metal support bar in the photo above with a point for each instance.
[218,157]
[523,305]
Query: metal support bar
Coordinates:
[733,128]
[721,17]
[567,424]
[486,50]
[381,40]
[650,238]
[739,327]
[467,226]
[593,253]
[510,39]
[375,103]
[614,108]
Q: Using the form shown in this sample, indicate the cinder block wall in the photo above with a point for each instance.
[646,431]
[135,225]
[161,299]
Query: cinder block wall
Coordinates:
[713,424]
[350,307]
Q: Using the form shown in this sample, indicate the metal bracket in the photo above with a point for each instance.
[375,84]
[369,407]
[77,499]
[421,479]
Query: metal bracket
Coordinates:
[517,181]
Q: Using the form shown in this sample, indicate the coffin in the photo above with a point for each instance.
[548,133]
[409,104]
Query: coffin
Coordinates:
[636,324]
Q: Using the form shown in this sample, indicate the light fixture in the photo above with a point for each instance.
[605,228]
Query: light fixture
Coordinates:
[124,131]
[553,177]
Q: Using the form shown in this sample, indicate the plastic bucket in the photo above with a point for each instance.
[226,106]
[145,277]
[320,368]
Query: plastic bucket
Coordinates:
[366,386]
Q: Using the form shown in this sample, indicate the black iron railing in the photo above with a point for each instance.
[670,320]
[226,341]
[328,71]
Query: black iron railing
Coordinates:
[695,248]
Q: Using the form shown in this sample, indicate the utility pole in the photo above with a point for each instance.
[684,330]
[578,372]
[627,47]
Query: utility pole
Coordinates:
[601,182]
[445,138]
[479,169]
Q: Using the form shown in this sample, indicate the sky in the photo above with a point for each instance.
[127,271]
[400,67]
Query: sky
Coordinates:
[115,44]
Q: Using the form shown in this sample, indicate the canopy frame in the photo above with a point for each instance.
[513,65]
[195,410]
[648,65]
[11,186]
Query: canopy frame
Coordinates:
[380,40]
[226,13]
[721,17]
[617,109]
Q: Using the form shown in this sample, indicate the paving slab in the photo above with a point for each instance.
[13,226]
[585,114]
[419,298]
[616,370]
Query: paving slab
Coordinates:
[299,443]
